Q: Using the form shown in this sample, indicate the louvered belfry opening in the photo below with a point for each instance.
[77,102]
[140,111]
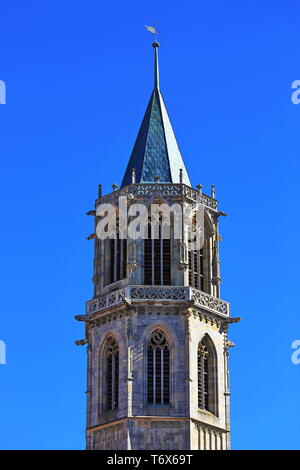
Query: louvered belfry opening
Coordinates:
[112,370]
[157,257]
[158,369]
[118,257]
[207,377]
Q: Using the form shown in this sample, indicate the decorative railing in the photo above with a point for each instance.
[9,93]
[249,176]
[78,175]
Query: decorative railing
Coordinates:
[106,301]
[163,189]
[162,294]
[158,293]
[208,301]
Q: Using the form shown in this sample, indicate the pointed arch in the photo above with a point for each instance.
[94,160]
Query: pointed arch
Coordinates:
[109,370]
[207,375]
[158,368]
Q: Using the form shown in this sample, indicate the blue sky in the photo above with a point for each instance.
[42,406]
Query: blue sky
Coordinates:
[79,76]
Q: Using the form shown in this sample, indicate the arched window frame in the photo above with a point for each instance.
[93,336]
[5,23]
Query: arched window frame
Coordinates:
[207,376]
[163,396]
[109,375]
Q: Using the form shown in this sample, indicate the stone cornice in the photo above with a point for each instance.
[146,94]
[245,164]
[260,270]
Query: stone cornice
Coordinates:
[119,313]
[197,423]
[208,317]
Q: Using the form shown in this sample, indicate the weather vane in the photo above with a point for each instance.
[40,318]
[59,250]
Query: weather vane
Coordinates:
[153,29]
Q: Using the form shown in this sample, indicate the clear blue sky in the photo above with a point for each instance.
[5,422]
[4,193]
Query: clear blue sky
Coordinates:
[79,76]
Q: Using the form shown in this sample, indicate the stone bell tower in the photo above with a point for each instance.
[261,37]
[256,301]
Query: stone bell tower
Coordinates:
[156,327]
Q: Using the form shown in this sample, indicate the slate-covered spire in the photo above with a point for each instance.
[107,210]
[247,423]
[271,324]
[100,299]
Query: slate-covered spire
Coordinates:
[155,154]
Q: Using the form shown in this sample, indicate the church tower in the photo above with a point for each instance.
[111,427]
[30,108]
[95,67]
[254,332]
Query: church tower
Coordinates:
[156,327]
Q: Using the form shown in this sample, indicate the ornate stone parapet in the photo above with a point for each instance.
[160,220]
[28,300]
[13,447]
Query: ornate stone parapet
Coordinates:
[160,294]
[209,302]
[163,189]
[105,301]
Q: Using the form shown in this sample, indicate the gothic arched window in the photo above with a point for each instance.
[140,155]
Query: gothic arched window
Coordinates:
[118,257]
[207,376]
[158,369]
[157,256]
[112,374]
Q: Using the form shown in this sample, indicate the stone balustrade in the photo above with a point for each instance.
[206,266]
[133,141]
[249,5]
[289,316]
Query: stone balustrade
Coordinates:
[163,294]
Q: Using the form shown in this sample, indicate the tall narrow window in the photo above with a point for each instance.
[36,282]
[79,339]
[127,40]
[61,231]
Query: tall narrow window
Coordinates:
[207,376]
[195,259]
[118,257]
[112,374]
[196,276]
[158,369]
[157,258]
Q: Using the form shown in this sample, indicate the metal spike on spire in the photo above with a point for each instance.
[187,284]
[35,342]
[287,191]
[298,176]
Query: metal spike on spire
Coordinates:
[156,68]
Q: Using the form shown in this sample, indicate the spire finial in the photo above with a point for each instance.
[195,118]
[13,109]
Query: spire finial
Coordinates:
[153,30]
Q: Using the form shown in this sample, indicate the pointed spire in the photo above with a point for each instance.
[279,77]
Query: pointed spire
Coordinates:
[156,152]
[156,68]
